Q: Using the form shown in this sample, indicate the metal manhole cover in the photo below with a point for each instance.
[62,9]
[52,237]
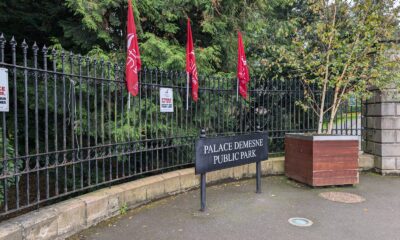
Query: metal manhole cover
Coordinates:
[300,222]
[342,197]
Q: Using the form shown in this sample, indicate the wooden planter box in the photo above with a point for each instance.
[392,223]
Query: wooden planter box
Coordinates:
[322,160]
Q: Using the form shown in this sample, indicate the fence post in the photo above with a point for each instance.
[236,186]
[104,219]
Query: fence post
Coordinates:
[381,129]
[203,181]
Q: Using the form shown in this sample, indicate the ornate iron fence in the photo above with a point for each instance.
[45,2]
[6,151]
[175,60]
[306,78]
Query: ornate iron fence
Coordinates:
[72,128]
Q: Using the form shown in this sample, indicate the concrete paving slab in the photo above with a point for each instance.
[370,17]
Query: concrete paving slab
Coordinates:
[235,211]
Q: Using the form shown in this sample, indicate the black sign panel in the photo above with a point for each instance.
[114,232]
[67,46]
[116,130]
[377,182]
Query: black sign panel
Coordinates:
[225,152]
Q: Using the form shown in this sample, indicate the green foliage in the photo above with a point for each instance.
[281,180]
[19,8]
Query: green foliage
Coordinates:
[123,209]
[99,26]
[7,167]
[343,51]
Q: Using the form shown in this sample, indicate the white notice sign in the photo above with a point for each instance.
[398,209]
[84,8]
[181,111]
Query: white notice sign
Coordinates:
[4,97]
[166,100]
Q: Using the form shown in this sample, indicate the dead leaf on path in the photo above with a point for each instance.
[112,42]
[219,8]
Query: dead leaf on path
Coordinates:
[343,197]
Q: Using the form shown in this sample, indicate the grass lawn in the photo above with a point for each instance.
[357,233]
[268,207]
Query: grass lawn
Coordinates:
[342,118]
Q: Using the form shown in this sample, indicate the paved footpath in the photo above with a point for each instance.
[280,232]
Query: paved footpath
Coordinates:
[236,212]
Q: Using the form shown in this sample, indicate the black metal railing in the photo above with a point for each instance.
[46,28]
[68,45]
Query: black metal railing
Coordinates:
[72,127]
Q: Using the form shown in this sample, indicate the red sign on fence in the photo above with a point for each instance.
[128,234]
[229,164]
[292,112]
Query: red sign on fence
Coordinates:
[166,100]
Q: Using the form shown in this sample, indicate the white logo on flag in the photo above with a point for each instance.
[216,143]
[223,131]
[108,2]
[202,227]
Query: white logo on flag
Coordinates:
[131,62]
[131,36]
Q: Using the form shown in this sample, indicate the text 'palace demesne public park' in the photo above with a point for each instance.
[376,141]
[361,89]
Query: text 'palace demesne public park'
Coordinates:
[199,119]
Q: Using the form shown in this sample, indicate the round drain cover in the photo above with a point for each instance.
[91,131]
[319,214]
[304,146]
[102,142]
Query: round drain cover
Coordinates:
[300,222]
[342,197]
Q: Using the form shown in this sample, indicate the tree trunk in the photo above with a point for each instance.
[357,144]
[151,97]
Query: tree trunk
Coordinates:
[335,107]
[324,89]
[321,110]
[321,121]
[330,124]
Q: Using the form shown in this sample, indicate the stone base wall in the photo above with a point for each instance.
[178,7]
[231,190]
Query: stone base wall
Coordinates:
[381,133]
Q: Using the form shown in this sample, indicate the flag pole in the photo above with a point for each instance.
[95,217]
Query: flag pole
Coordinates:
[129,101]
[237,89]
[187,91]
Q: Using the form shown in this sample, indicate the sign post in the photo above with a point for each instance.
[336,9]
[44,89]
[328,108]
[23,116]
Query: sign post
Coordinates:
[258,171]
[224,152]
[203,182]
[258,177]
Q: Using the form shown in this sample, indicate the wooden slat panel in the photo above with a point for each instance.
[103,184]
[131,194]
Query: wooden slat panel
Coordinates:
[335,173]
[334,181]
[321,163]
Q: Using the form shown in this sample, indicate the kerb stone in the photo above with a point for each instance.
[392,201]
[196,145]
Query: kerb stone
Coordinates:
[154,187]
[134,193]
[96,207]
[39,225]
[172,183]
[71,217]
[188,179]
[10,231]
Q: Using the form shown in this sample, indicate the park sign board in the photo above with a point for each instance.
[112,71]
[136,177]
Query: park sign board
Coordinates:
[225,152]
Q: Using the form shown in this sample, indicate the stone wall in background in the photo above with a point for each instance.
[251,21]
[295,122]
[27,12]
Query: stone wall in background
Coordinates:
[381,134]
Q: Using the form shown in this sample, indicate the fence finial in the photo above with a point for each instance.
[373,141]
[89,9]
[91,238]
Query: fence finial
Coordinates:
[35,47]
[24,44]
[13,42]
[2,39]
[202,133]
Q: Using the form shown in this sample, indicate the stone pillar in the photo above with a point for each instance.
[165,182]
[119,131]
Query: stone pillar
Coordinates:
[381,134]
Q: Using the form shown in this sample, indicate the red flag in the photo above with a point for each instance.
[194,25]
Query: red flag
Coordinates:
[133,63]
[191,68]
[242,69]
